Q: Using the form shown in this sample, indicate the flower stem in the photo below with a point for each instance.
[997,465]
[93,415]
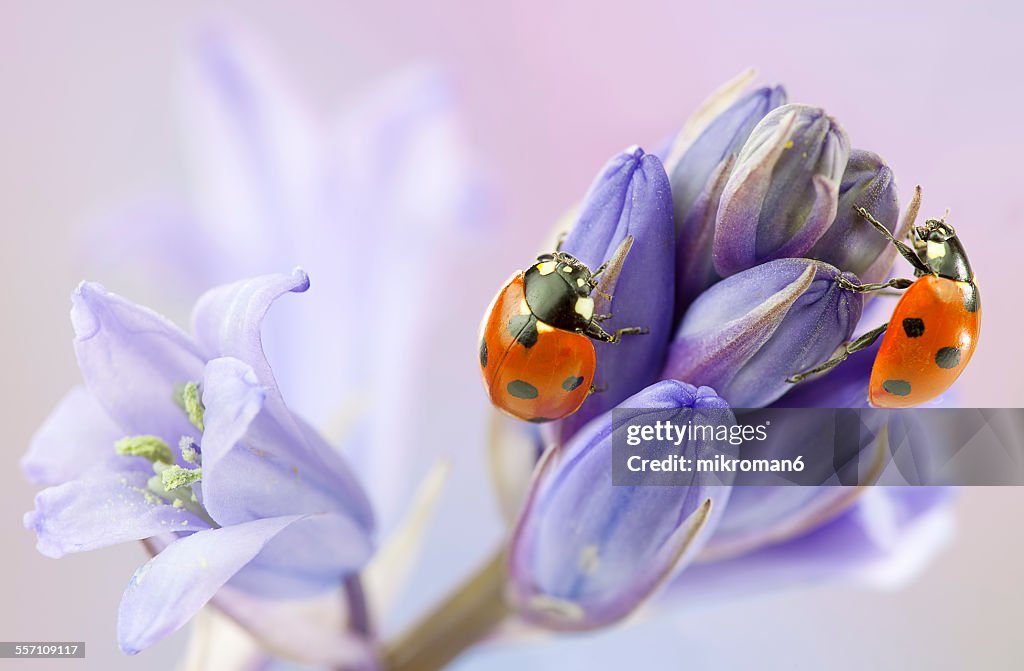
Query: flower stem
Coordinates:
[471,612]
[358,613]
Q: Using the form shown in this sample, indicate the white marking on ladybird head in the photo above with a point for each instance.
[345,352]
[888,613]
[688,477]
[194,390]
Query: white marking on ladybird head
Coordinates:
[547,267]
[567,269]
[524,307]
[585,307]
[580,282]
[936,250]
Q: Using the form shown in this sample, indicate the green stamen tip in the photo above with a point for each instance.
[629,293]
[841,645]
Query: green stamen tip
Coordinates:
[193,404]
[188,451]
[148,447]
[176,476]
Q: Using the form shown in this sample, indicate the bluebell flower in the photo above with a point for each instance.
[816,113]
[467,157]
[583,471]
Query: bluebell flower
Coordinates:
[770,198]
[187,440]
[699,168]
[585,553]
[746,334]
[783,192]
[630,197]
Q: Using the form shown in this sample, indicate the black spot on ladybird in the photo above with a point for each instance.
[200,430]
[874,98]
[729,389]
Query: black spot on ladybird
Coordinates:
[913,327]
[522,389]
[483,353]
[524,329]
[897,387]
[539,420]
[948,357]
[572,382]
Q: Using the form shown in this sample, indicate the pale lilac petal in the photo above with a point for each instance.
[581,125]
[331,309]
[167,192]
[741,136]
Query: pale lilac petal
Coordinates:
[168,589]
[106,506]
[76,435]
[254,467]
[312,555]
[133,360]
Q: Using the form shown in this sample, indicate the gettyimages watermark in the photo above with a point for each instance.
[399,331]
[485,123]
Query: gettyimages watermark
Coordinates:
[814,446]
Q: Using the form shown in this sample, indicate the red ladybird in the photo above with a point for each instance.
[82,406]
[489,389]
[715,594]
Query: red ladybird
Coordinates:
[536,354]
[935,325]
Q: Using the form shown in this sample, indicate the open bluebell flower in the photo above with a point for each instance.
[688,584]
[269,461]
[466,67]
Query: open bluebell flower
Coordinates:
[746,334]
[698,172]
[187,440]
[630,197]
[585,553]
[783,192]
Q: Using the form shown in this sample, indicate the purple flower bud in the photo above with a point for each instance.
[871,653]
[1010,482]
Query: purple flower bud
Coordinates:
[631,196]
[851,243]
[698,177]
[784,189]
[585,553]
[746,334]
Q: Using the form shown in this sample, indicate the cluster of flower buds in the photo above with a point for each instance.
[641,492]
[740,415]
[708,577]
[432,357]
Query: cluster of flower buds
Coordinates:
[757,198]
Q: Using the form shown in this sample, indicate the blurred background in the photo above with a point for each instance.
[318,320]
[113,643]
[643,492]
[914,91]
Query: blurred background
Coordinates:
[91,121]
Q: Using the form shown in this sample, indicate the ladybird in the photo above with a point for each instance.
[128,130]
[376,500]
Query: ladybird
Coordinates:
[537,357]
[934,329]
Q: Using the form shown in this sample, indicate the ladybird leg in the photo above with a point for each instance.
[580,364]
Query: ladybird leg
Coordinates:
[866,340]
[898,283]
[597,333]
[905,251]
[597,390]
[601,318]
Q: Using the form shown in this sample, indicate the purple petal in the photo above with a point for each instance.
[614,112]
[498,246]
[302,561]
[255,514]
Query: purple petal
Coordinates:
[76,435]
[132,360]
[851,243]
[630,197]
[104,507]
[168,589]
[253,467]
[585,553]
[723,138]
[784,190]
[748,333]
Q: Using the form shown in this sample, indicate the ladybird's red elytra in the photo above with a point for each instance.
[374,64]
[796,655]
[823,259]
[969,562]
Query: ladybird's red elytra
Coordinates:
[934,329]
[537,357]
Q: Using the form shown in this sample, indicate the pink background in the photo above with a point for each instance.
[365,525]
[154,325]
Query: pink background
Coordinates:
[549,92]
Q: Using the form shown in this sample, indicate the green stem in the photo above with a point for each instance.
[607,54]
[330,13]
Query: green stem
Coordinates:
[471,612]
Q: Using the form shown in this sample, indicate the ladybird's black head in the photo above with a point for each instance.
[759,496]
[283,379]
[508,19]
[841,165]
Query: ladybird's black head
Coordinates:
[573,271]
[558,290]
[939,247]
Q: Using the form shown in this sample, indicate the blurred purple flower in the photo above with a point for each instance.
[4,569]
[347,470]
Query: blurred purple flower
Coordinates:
[241,491]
